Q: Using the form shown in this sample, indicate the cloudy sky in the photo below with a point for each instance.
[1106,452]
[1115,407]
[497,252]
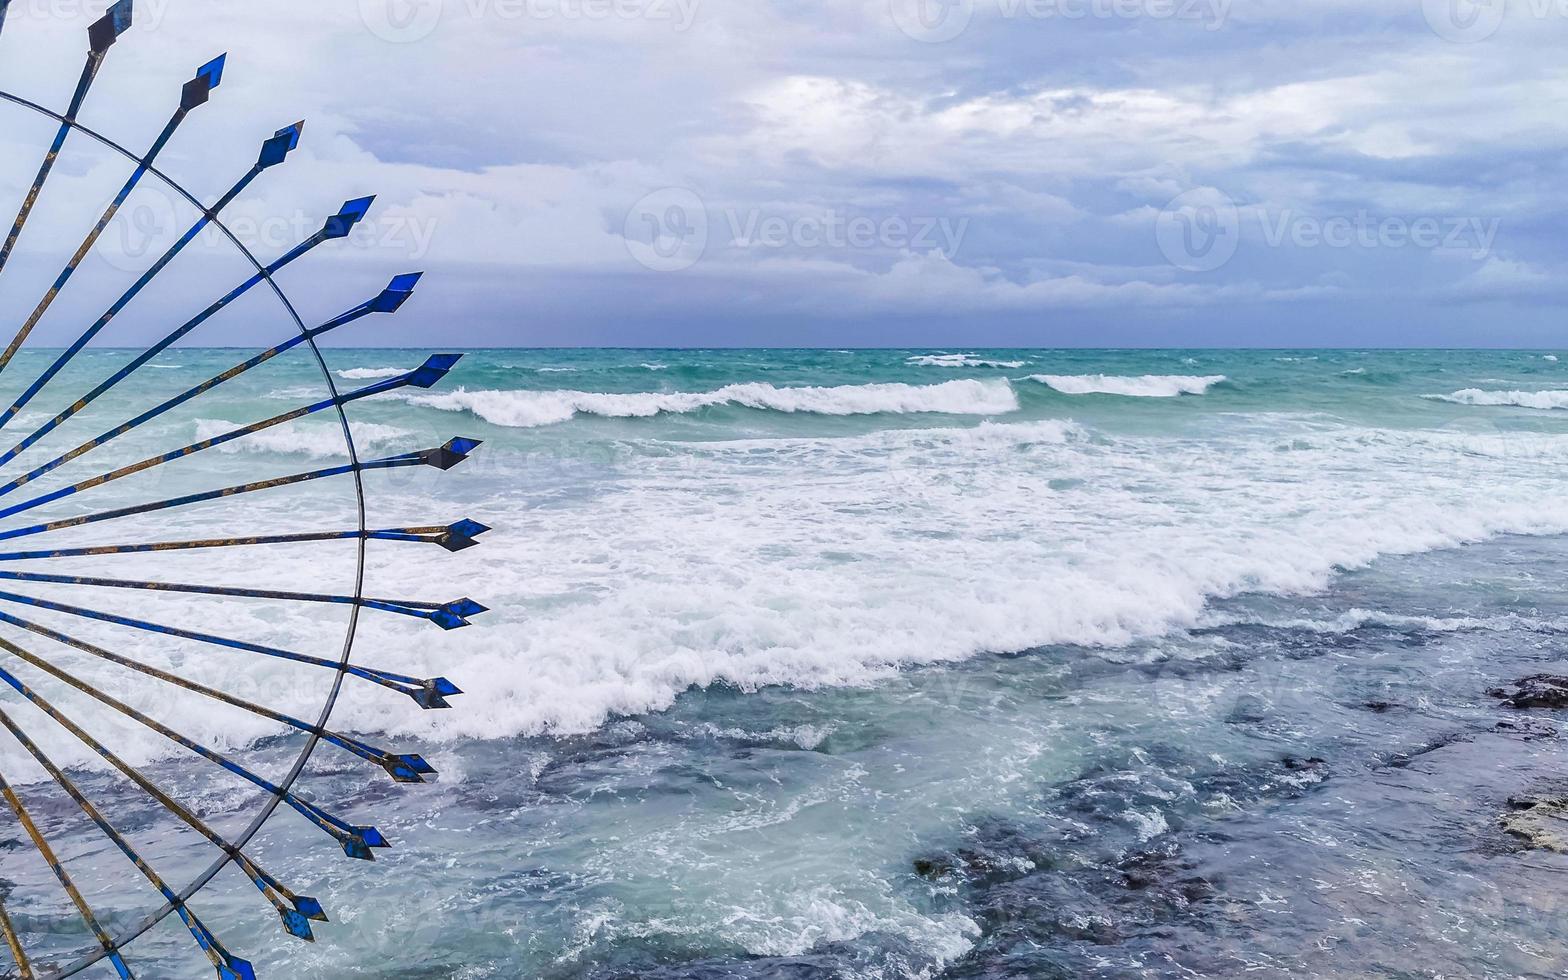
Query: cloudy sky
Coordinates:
[840,172]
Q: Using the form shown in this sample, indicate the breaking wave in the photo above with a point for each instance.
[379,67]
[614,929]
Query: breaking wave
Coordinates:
[529,409]
[318,440]
[960,361]
[1514,399]
[366,374]
[1146,386]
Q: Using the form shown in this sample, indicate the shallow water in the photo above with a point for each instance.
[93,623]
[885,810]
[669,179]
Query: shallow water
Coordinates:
[898,664]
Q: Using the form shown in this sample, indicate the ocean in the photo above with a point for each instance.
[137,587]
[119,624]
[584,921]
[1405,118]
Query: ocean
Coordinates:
[886,664]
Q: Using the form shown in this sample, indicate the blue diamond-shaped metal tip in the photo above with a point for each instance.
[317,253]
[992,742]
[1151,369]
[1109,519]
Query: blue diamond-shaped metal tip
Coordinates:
[309,908]
[400,771]
[349,215]
[461,535]
[448,620]
[433,370]
[212,71]
[466,607]
[108,28]
[199,89]
[418,764]
[428,699]
[396,294]
[372,836]
[444,687]
[235,968]
[296,925]
[447,456]
[279,145]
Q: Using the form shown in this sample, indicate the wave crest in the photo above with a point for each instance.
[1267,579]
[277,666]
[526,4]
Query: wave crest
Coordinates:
[316,440]
[1146,386]
[1512,399]
[530,409]
[959,361]
[367,374]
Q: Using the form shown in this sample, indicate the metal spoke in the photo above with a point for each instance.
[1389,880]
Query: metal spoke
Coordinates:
[228,966]
[62,876]
[443,457]
[100,37]
[427,692]
[389,301]
[194,94]
[433,370]
[331,667]
[273,152]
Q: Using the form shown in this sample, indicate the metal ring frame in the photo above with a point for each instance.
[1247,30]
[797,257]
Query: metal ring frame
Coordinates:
[453,537]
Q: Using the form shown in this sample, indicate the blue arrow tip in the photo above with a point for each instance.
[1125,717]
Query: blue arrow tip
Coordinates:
[212,71]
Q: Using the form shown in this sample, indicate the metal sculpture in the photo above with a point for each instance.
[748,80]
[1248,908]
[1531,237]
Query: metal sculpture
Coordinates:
[27,709]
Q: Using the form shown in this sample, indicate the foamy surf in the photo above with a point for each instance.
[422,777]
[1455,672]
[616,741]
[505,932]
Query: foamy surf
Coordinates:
[1545,400]
[960,361]
[317,440]
[1147,386]
[370,373]
[531,409]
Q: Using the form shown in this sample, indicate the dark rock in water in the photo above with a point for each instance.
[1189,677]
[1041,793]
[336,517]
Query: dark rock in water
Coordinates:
[1541,823]
[933,867]
[1536,691]
[1380,707]
[1528,729]
[1296,765]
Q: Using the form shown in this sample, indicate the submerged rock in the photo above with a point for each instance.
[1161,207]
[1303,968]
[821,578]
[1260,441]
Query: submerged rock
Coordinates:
[1541,823]
[1536,691]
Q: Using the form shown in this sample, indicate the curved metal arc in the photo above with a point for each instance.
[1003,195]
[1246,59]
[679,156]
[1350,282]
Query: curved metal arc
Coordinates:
[274,800]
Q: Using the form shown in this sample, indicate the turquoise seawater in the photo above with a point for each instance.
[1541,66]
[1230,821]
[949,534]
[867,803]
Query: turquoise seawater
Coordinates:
[875,664]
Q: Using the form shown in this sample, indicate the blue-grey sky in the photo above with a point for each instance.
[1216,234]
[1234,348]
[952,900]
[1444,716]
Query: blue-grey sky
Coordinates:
[837,172]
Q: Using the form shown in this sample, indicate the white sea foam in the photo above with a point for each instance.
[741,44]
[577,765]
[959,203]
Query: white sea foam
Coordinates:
[368,373]
[1359,619]
[528,409]
[960,361]
[817,562]
[1549,357]
[1515,399]
[318,440]
[1147,386]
